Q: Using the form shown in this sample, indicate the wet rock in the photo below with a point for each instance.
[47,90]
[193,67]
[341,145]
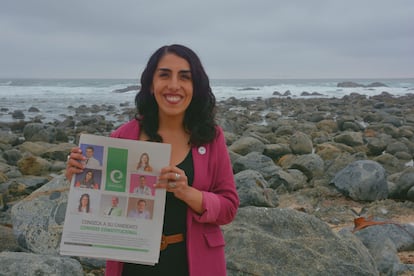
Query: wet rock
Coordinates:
[41,233]
[348,84]
[384,242]
[376,84]
[58,152]
[18,114]
[253,190]
[310,165]
[275,151]
[300,143]
[362,180]
[301,244]
[32,165]
[354,84]
[244,145]
[350,138]
[395,147]
[391,163]
[39,132]
[37,264]
[33,109]
[12,156]
[8,138]
[376,146]
[404,182]
[127,89]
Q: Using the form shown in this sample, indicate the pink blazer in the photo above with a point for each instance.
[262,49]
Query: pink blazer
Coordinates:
[213,175]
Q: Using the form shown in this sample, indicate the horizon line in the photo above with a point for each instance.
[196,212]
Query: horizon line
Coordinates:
[233,78]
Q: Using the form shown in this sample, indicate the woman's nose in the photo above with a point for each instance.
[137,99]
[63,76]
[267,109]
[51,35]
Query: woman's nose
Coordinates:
[174,84]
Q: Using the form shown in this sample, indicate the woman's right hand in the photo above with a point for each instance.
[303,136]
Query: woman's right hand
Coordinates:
[74,164]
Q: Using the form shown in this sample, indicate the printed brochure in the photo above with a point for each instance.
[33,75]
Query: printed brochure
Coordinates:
[113,210]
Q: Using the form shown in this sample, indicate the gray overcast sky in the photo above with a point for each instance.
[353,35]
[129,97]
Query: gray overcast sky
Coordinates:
[234,39]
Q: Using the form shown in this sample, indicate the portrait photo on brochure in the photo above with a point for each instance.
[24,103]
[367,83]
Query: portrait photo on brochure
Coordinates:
[113,205]
[141,184]
[93,155]
[85,202]
[140,208]
[89,179]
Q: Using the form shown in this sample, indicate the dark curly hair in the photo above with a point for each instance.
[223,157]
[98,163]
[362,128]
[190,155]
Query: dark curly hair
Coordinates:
[199,118]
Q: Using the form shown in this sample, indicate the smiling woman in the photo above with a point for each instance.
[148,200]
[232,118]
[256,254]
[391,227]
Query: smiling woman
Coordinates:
[175,105]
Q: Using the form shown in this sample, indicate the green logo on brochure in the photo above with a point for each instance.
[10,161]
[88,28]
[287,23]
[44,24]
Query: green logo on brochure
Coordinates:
[116,170]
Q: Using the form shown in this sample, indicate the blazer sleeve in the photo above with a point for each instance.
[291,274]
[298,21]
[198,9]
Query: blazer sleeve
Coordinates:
[220,198]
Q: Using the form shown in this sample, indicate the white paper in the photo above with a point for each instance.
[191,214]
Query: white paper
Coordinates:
[125,233]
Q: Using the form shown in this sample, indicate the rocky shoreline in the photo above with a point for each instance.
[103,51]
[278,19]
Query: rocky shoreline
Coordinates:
[305,169]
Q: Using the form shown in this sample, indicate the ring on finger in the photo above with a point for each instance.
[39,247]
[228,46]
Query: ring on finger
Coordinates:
[177,176]
[172,184]
[68,158]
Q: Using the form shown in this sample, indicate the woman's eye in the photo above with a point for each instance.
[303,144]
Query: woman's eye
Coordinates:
[186,77]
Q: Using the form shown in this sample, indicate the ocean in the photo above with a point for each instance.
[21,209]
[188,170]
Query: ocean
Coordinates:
[53,96]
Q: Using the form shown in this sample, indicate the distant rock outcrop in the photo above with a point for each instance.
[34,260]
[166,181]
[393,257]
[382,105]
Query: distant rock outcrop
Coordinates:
[247,89]
[127,89]
[351,84]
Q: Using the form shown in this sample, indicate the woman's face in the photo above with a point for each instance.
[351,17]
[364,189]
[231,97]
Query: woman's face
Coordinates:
[88,176]
[144,159]
[172,86]
[84,201]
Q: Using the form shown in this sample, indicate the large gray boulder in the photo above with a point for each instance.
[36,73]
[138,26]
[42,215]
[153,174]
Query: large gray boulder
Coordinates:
[274,241]
[19,263]
[258,162]
[301,143]
[47,150]
[376,145]
[310,165]
[404,182]
[35,148]
[253,190]
[275,151]
[384,241]
[38,219]
[362,180]
[39,132]
[33,165]
[350,138]
[247,144]
[291,179]
[390,162]
[8,138]
[12,156]
[58,152]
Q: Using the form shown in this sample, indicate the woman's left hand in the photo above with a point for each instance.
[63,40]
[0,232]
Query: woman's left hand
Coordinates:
[175,181]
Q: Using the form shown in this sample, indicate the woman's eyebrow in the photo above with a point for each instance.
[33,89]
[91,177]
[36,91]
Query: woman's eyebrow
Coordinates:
[185,71]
